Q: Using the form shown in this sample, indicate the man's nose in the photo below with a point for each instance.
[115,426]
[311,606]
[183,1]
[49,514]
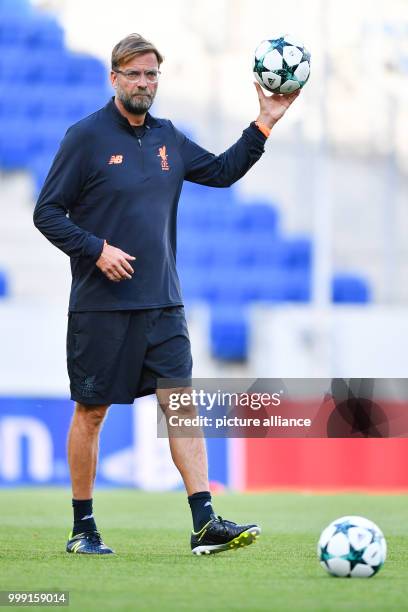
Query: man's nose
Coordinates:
[143,81]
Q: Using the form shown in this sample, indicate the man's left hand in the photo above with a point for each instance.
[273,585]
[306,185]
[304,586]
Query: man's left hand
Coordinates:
[273,107]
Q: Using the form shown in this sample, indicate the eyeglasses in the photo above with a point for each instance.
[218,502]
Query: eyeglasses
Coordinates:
[134,76]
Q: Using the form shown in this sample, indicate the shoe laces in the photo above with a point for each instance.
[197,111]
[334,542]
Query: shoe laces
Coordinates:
[94,537]
[224,522]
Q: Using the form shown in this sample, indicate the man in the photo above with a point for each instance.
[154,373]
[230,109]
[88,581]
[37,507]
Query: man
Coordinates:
[118,174]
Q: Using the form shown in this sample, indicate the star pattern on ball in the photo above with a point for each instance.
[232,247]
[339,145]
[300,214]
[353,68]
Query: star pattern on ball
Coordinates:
[325,555]
[343,527]
[354,557]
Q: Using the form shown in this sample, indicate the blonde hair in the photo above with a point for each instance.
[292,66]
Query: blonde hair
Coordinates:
[132,45]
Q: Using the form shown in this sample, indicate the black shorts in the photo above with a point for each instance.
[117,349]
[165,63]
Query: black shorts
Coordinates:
[115,356]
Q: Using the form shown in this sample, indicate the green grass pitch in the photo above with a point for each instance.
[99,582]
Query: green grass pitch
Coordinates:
[154,569]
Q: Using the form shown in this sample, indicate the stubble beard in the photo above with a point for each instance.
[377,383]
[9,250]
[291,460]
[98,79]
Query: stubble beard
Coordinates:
[137,105]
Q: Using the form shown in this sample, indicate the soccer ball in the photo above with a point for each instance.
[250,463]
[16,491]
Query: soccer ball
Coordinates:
[352,546]
[281,65]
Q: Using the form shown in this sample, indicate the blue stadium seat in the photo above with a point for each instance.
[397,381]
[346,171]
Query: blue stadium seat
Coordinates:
[85,69]
[13,65]
[14,103]
[193,251]
[15,138]
[205,215]
[59,67]
[39,166]
[30,32]
[34,117]
[227,282]
[351,289]
[66,103]
[13,31]
[190,189]
[4,286]
[206,207]
[45,102]
[229,248]
[278,284]
[298,252]
[269,285]
[185,215]
[216,285]
[15,7]
[229,333]
[298,286]
[276,250]
[228,286]
[21,140]
[44,33]
[257,218]
[82,101]
[36,69]
[194,285]
[267,251]
[46,137]
[214,194]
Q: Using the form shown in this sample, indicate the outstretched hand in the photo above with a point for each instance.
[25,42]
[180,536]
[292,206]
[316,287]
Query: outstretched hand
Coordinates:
[273,107]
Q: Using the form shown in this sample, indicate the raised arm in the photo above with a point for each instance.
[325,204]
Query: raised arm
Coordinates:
[223,170]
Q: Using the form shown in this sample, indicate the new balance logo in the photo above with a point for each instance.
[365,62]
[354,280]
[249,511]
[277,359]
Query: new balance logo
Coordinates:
[163,156]
[115,159]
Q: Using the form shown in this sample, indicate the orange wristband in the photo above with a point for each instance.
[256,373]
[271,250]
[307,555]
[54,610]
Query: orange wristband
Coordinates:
[263,128]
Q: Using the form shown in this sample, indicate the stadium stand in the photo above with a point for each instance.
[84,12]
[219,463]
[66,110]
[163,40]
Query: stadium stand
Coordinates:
[230,254]
[56,87]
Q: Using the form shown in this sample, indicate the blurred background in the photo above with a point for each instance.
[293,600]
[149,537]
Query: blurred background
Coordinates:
[299,270]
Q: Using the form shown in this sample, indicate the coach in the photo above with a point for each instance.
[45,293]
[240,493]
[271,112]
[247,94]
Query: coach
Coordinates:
[110,203]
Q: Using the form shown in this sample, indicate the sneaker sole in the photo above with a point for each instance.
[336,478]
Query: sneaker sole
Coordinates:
[244,539]
[78,551]
[81,552]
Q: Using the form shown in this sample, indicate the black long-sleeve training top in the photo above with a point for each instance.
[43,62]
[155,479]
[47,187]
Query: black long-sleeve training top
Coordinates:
[106,182]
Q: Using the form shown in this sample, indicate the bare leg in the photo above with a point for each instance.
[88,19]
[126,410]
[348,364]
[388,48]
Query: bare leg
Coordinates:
[190,458]
[83,446]
[189,453]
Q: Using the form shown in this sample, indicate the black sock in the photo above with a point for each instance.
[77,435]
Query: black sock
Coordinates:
[201,508]
[83,517]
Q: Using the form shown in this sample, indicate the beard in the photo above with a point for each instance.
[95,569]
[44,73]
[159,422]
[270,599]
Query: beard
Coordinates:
[135,104]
